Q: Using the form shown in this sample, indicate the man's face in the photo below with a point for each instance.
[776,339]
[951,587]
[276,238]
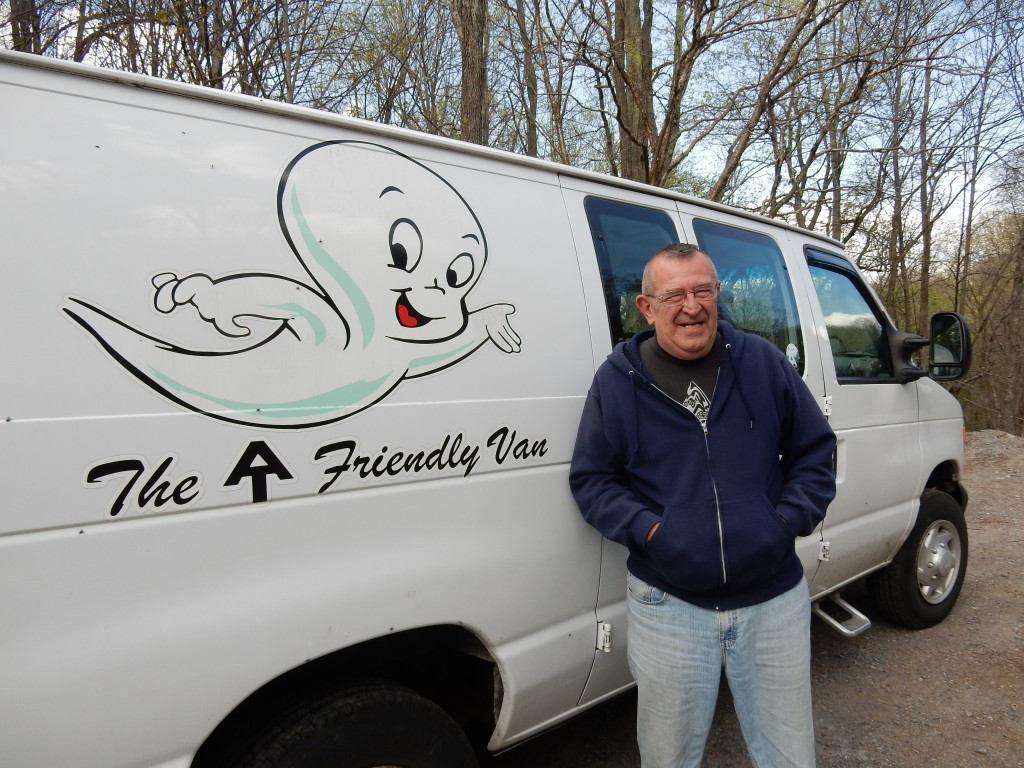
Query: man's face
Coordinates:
[685,330]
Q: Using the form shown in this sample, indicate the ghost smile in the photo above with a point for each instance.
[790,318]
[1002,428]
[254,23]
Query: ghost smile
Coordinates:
[407,315]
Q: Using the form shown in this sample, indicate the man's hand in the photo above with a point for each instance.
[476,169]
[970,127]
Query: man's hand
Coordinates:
[651,532]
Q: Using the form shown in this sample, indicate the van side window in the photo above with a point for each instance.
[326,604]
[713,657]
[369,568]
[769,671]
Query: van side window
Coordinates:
[756,296]
[855,329]
[625,238]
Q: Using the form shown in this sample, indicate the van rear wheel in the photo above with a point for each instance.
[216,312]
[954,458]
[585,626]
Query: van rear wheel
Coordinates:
[920,586]
[366,725]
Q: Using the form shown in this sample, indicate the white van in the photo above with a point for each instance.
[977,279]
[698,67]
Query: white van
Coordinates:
[288,405]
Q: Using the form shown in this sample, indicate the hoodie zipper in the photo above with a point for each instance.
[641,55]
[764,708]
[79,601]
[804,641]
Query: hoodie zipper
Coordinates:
[707,453]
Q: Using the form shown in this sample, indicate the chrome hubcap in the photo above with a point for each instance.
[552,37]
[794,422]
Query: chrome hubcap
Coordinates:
[938,561]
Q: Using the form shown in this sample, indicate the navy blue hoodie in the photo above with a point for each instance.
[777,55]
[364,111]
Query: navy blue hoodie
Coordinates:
[732,500]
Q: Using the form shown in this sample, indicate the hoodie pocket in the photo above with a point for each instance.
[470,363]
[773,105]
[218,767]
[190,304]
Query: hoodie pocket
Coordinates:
[757,541]
[686,549]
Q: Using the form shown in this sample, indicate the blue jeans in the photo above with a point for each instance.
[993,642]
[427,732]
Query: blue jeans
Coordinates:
[677,652]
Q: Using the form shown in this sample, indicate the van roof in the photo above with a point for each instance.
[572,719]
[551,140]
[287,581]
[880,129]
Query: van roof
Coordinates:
[268,106]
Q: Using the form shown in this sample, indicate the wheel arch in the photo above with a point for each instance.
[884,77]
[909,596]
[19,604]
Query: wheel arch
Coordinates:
[446,664]
[946,478]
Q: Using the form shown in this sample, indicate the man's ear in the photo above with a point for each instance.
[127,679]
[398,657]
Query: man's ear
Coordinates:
[646,309]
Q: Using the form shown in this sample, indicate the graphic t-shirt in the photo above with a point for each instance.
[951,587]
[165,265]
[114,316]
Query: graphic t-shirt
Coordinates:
[691,383]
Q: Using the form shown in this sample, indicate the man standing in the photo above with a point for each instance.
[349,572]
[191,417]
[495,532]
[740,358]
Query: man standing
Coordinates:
[704,453]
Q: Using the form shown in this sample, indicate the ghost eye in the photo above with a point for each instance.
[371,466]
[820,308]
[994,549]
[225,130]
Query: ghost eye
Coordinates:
[406,245]
[460,271]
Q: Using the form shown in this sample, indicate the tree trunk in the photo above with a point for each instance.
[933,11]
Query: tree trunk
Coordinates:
[631,82]
[529,78]
[1013,410]
[927,214]
[470,17]
[25,28]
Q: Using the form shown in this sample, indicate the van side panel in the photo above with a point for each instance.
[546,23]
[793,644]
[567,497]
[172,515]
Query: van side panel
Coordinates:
[873,416]
[167,547]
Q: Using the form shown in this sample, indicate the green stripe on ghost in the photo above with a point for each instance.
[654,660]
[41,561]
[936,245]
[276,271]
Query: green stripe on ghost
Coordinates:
[431,359]
[351,394]
[355,295]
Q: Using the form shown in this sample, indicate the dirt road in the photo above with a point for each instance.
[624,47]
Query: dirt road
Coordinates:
[947,697]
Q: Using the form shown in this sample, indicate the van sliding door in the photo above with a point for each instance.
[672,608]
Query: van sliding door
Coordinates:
[614,240]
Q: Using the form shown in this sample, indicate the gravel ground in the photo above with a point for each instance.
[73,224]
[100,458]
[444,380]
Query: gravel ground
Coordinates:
[947,697]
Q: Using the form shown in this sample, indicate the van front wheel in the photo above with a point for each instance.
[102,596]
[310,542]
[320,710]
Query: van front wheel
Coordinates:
[366,725]
[920,586]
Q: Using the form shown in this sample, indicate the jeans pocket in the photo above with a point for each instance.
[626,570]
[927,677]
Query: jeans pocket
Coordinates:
[642,592]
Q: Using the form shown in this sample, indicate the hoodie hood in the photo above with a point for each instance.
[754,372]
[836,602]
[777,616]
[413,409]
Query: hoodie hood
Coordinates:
[626,358]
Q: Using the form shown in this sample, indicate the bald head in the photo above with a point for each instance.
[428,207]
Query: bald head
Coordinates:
[674,252]
[680,285]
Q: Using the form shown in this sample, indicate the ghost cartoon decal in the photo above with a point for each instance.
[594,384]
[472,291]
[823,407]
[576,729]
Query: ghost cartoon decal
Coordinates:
[391,251]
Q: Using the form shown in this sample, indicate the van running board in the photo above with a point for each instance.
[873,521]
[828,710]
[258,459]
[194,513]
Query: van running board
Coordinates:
[854,622]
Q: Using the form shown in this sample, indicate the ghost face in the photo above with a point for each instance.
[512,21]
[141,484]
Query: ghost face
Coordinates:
[395,238]
[433,251]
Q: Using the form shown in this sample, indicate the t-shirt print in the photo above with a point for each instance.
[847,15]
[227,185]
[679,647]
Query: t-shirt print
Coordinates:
[697,403]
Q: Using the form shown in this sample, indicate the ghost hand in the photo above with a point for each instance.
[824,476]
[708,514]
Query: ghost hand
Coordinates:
[499,328]
[202,293]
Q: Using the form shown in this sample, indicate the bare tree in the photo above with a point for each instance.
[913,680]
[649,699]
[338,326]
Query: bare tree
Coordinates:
[25,27]
[407,67]
[525,28]
[471,23]
[881,124]
[808,19]
[563,31]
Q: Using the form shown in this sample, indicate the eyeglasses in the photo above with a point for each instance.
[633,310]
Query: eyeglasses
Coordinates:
[678,298]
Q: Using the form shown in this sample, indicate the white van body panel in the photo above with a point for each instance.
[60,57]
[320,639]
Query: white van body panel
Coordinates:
[871,420]
[210,482]
[127,602]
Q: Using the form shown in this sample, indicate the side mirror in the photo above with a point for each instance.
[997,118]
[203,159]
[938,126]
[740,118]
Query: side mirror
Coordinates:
[949,349]
[904,345]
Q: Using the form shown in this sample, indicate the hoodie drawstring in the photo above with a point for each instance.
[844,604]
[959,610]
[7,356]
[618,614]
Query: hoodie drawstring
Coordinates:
[739,385]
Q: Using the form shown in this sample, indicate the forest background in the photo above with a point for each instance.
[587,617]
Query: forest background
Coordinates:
[893,126]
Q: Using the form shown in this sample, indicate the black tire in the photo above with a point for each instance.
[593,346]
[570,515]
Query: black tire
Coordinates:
[366,725]
[920,586]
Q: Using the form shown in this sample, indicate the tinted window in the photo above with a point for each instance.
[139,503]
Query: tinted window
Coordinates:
[855,329]
[756,293]
[625,238]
